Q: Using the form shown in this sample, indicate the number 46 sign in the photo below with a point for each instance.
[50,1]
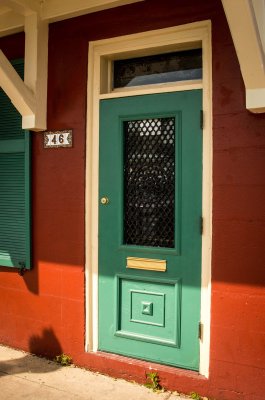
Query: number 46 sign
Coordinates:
[58,139]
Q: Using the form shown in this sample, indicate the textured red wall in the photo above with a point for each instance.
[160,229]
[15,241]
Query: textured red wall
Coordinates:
[44,311]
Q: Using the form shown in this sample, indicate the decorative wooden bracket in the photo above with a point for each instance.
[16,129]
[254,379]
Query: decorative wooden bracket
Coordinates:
[246,19]
[29,97]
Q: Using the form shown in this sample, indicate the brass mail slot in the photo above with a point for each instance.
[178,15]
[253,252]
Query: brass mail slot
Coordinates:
[147,264]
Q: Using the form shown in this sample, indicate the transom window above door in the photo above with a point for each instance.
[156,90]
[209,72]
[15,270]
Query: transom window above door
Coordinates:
[158,69]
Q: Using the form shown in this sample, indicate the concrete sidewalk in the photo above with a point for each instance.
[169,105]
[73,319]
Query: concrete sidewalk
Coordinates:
[24,376]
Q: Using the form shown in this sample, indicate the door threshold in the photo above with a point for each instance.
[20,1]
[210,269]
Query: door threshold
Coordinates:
[146,364]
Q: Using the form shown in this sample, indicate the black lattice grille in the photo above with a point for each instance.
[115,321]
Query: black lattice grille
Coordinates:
[149,182]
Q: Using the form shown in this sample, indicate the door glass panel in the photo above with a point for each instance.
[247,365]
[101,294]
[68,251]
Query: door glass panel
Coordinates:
[162,68]
[149,182]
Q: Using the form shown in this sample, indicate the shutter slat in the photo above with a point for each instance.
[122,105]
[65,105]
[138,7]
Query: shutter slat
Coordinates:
[12,222]
[14,184]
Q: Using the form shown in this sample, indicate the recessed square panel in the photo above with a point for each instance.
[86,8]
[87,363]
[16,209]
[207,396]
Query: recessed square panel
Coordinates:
[147,307]
[149,310]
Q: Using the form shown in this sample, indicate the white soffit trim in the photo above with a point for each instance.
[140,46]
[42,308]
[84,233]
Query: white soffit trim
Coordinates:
[57,10]
[10,23]
[23,7]
[245,31]
[12,11]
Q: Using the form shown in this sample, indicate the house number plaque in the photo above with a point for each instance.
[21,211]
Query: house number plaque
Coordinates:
[57,139]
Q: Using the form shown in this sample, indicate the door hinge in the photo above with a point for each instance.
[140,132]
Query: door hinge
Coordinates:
[201,119]
[201,225]
[200,331]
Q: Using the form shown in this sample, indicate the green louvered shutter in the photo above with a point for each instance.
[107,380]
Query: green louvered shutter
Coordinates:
[14,184]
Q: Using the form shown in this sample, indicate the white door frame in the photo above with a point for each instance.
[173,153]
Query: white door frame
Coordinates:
[101,55]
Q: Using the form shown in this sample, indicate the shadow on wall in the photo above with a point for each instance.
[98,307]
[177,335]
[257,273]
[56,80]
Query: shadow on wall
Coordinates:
[30,277]
[46,345]
[31,363]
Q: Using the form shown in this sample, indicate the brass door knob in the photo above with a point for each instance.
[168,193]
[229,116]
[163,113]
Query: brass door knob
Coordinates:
[104,200]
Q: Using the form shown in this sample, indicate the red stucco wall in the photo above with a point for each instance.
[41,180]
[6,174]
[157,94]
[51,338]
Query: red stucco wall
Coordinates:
[43,311]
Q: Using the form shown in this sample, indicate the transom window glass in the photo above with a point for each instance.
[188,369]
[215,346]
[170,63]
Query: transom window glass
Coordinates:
[162,68]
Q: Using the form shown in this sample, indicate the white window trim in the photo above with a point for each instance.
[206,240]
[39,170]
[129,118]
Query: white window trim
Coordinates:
[99,86]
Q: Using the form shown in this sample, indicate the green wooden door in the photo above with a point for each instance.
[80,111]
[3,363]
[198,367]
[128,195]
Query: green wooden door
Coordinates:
[149,227]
